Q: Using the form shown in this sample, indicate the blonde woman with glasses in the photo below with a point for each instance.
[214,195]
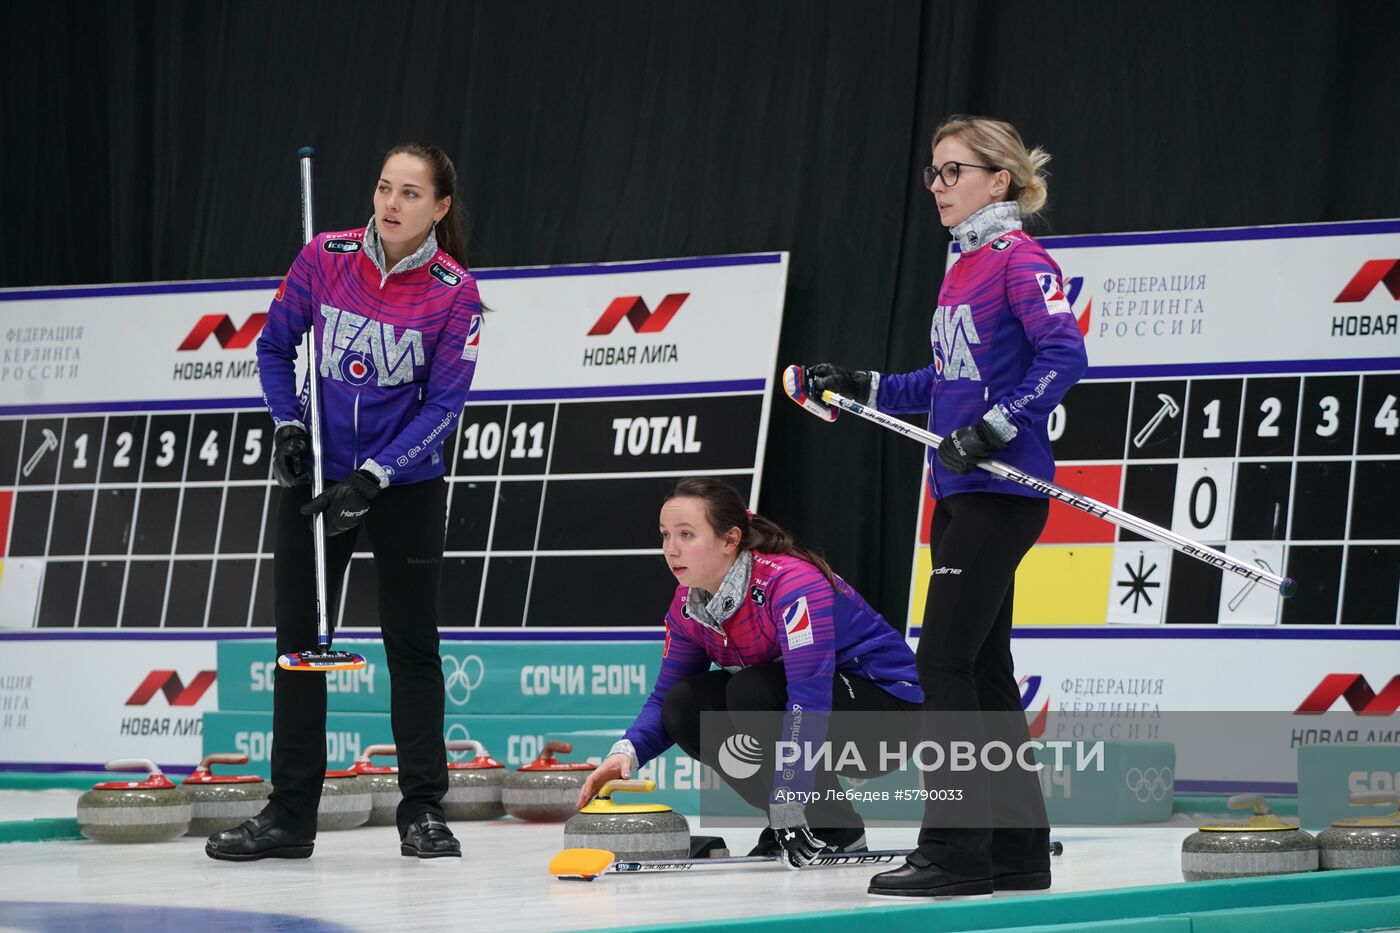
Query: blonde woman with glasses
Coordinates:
[1006,348]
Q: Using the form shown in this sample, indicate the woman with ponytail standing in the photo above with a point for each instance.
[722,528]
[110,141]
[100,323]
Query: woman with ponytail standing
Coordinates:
[397,324]
[790,638]
[1006,349]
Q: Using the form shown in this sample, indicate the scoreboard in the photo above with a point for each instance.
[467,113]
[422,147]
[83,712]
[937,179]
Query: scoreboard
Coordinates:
[135,487]
[1243,391]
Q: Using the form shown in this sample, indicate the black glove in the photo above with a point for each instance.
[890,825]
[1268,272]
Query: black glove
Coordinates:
[345,504]
[289,446]
[799,847]
[852,383]
[966,447]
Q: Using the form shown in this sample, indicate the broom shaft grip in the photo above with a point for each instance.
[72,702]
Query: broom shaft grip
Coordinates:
[318,523]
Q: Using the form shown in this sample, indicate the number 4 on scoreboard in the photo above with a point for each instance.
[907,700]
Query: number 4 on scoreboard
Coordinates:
[1388,418]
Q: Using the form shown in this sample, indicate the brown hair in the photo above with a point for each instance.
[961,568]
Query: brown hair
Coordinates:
[998,143]
[724,509]
[452,229]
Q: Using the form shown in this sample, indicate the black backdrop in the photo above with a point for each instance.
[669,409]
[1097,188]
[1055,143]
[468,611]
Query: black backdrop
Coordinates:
[156,141]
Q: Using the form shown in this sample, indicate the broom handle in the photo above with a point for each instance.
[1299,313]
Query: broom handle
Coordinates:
[318,523]
[826,859]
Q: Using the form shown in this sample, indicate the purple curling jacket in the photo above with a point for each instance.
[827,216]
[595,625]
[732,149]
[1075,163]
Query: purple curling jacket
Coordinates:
[396,351]
[781,608]
[1006,349]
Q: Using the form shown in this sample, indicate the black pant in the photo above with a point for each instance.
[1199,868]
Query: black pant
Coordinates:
[763,688]
[406,527]
[964,660]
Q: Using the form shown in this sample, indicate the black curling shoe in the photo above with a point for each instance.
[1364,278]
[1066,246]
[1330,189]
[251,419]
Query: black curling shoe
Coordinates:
[767,845]
[428,836]
[1036,880]
[919,877]
[259,837]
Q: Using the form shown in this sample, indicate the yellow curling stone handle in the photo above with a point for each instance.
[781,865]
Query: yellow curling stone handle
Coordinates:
[1263,819]
[603,803]
[1379,821]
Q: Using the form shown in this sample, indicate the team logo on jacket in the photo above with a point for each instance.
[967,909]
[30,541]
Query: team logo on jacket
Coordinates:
[341,246]
[356,349]
[473,338]
[439,272]
[954,334]
[797,624]
[756,594]
[1055,300]
[1001,244]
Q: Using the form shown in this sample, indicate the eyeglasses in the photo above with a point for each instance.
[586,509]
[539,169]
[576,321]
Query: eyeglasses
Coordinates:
[949,172]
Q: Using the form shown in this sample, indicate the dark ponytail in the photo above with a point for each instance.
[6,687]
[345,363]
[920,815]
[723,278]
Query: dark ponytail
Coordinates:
[725,510]
[453,228]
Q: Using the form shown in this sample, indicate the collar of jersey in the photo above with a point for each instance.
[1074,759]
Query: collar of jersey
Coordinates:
[715,610]
[375,250]
[987,224]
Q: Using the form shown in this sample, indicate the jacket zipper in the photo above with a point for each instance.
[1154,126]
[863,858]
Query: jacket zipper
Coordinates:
[357,429]
[933,429]
[383,278]
[709,630]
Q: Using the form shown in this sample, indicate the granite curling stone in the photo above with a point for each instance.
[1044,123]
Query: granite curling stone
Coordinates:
[382,782]
[633,831]
[473,787]
[1264,845]
[545,790]
[1363,841]
[222,801]
[151,810]
[345,802]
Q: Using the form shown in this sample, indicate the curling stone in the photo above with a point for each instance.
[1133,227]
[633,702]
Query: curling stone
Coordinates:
[1265,845]
[345,802]
[473,787]
[222,801]
[545,790]
[152,810]
[629,830]
[382,782]
[1363,841]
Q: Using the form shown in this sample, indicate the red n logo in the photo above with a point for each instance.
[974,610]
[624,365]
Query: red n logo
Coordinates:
[644,320]
[223,330]
[1356,691]
[169,683]
[1368,277]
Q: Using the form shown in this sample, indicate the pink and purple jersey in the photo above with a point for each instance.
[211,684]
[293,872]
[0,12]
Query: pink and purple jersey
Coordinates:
[396,355]
[1006,346]
[793,615]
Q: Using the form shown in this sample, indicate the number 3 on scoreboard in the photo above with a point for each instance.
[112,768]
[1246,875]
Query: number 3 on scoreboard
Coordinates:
[167,449]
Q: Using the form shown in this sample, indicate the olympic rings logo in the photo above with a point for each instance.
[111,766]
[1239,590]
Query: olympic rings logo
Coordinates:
[458,731]
[1150,783]
[462,677]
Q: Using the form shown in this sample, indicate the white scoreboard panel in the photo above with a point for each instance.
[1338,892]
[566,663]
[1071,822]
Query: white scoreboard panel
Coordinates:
[1243,391]
[135,488]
